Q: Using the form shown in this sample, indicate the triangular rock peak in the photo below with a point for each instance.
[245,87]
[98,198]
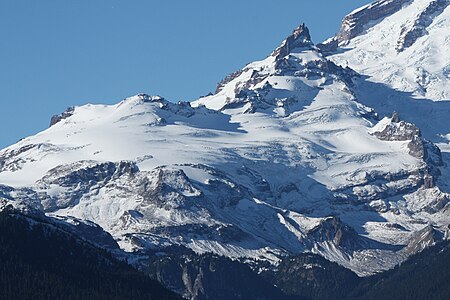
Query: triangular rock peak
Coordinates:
[300,38]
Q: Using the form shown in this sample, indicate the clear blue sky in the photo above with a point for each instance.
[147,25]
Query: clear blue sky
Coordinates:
[58,53]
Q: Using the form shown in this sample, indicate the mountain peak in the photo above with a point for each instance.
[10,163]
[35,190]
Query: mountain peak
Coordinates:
[360,20]
[147,98]
[377,38]
[300,38]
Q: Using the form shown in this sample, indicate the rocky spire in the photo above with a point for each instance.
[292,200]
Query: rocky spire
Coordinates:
[299,38]
[395,117]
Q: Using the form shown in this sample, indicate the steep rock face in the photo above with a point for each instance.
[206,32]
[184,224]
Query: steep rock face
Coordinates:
[360,20]
[355,23]
[412,37]
[12,160]
[398,130]
[423,239]
[75,180]
[210,277]
[64,115]
[418,28]
[300,38]
[333,230]
[170,189]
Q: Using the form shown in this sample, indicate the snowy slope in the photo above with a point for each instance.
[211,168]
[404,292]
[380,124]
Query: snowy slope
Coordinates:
[283,159]
[406,50]
[404,56]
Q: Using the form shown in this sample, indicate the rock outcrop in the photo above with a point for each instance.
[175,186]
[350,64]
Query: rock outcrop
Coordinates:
[360,20]
[64,115]
[410,34]
[300,38]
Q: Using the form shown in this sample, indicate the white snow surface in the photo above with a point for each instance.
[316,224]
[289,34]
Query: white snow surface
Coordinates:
[256,170]
[421,69]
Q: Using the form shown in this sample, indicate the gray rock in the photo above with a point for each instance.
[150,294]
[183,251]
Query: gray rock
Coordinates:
[416,147]
[428,181]
[398,131]
[395,117]
[64,115]
[338,233]
[422,239]
[228,79]
[358,22]
[298,39]
[409,35]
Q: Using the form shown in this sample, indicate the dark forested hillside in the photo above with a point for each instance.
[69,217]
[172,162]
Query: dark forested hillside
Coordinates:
[39,262]
[424,276]
[312,277]
[208,276]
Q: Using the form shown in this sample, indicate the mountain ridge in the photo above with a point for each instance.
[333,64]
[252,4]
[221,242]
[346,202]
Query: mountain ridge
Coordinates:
[292,154]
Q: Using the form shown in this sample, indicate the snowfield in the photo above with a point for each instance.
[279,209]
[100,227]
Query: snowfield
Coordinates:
[294,153]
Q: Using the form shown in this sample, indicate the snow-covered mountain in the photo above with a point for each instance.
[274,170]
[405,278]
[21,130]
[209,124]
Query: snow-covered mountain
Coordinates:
[401,50]
[400,43]
[303,151]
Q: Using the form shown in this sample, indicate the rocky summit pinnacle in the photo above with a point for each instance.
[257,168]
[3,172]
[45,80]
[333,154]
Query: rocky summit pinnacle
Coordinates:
[299,38]
[296,153]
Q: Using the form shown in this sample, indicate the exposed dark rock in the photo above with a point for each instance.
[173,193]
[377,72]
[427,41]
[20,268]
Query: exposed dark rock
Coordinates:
[9,159]
[409,35]
[228,79]
[167,188]
[290,65]
[125,167]
[358,22]
[335,231]
[395,117]
[398,130]
[64,115]
[225,190]
[78,179]
[300,38]
[428,181]
[328,47]
[416,147]
[87,172]
[422,239]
